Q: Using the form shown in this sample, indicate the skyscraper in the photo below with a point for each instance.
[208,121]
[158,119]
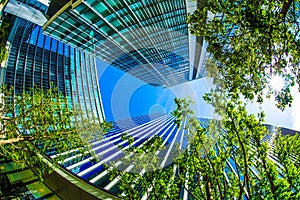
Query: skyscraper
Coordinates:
[148,39]
[37,60]
[112,148]
[142,129]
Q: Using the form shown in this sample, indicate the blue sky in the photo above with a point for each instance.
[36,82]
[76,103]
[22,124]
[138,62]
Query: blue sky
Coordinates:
[125,96]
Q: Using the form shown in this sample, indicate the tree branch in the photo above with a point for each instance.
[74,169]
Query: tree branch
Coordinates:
[244,157]
[285,8]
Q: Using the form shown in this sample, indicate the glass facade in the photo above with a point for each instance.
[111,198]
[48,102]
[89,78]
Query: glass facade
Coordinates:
[148,39]
[37,60]
[143,128]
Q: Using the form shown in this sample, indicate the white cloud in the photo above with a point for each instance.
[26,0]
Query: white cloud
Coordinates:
[296,109]
[195,90]
[289,118]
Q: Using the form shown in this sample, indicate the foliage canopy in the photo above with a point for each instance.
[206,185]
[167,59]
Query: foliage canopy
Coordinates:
[4,31]
[42,122]
[235,157]
[250,42]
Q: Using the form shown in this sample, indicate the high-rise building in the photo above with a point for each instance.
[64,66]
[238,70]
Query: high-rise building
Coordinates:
[37,60]
[147,39]
[142,129]
[111,147]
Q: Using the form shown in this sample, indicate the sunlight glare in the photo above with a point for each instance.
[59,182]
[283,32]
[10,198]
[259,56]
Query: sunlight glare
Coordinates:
[277,82]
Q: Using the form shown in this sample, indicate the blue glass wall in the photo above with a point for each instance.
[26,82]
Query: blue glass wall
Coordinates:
[148,39]
[37,60]
[111,148]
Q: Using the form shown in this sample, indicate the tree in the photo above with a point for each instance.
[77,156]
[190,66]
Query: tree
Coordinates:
[229,159]
[251,41]
[139,172]
[232,158]
[39,122]
[4,32]
[241,147]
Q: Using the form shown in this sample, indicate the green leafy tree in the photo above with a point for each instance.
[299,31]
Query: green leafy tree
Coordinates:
[251,41]
[229,159]
[38,122]
[240,146]
[139,172]
[4,31]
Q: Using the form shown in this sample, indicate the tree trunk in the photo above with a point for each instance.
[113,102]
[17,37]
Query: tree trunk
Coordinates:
[285,8]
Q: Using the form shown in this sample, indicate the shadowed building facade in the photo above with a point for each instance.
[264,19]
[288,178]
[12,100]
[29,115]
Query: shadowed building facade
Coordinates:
[147,39]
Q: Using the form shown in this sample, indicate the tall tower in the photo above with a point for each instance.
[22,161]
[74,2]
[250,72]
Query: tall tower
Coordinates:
[142,129]
[112,147]
[37,60]
[148,39]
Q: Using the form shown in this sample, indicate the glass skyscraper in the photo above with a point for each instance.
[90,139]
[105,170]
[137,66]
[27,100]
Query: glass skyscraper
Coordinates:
[147,39]
[37,60]
[111,148]
[142,129]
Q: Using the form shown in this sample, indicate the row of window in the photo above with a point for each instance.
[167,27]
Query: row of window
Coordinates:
[38,60]
[113,29]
